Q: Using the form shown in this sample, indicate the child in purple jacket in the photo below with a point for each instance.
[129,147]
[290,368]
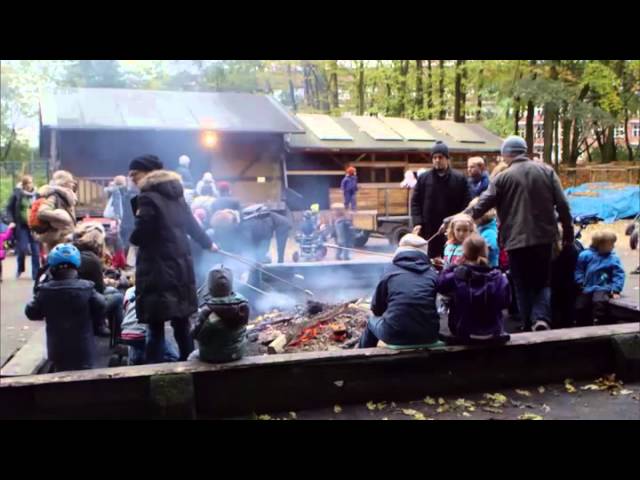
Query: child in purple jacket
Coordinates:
[479,293]
[4,236]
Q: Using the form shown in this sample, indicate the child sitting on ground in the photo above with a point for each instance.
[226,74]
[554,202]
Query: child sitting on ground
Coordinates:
[4,236]
[488,229]
[69,306]
[222,322]
[600,276]
[342,231]
[479,293]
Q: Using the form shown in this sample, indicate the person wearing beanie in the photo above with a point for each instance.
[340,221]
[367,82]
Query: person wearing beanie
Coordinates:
[165,279]
[183,170]
[225,201]
[55,210]
[527,196]
[209,182]
[221,326]
[404,302]
[349,186]
[438,194]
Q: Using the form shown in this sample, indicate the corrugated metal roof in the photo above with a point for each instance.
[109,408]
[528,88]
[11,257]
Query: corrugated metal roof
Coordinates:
[106,108]
[364,143]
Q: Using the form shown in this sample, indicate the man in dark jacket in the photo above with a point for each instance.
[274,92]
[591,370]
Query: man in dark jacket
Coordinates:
[18,211]
[259,225]
[527,196]
[438,194]
[68,305]
[165,280]
[404,303]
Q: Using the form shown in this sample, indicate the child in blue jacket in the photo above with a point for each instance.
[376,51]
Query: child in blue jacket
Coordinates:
[600,276]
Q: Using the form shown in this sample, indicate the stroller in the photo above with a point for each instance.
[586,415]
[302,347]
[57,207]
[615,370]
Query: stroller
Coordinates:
[310,240]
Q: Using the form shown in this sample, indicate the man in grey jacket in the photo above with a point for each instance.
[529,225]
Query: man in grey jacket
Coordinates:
[527,196]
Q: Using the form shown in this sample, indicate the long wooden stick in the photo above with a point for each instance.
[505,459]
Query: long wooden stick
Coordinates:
[357,250]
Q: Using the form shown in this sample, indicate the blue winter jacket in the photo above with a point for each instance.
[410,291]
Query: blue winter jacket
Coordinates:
[489,232]
[349,186]
[596,272]
[478,186]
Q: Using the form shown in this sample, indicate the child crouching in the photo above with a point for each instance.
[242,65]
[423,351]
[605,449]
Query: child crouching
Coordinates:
[222,322]
[69,306]
[600,276]
[479,295]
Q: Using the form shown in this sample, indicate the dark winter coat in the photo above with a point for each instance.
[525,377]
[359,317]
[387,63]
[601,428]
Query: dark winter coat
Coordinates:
[69,307]
[165,281]
[223,203]
[479,294]
[436,198]
[527,195]
[258,230]
[405,298]
[221,328]
[478,185]
[599,272]
[344,232]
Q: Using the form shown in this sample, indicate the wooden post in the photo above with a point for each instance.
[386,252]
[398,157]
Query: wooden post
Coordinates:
[373,170]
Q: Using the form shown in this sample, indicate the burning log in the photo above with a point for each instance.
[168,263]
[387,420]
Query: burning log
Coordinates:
[277,346]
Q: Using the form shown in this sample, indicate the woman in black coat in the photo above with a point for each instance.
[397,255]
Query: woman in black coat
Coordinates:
[165,280]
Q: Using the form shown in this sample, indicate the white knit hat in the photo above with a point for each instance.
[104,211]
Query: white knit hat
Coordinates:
[184,160]
[207,177]
[412,242]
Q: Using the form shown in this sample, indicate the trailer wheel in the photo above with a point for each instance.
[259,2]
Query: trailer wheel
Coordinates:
[296,257]
[361,238]
[397,233]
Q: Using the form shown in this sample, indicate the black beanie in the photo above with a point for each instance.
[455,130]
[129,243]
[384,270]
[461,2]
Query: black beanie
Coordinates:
[146,163]
[441,148]
[220,281]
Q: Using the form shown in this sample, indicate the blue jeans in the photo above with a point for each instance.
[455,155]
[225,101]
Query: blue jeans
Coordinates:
[24,243]
[371,334]
[155,347]
[530,270]
[136,353]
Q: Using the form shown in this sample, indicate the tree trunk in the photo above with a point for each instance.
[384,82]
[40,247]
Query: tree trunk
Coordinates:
[457,101]
[479,100]
[419,108]
[575,131]
[292,91]
[588,149]
[549,117]
[335,99]
[429,91]
[556,129]
[402,88]
[308,86]
[626,135]
[531,110]
[516,116]
[566,134]
[361,87]
[443,110]
[463,93]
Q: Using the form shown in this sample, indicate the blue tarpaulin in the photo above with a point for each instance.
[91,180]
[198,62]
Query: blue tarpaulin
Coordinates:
[609,201]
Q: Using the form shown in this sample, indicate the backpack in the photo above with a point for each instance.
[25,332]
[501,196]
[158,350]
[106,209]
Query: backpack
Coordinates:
[37,225]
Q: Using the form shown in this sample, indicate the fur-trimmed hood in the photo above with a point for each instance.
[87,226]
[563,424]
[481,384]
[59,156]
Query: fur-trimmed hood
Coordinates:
[164,182]
[68,194]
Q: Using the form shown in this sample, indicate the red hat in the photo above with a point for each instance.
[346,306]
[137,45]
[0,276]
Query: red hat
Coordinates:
[224,186]
[351,171]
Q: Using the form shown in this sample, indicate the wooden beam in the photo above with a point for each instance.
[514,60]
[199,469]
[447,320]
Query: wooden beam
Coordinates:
[380,164]
[30,358]
[314,172]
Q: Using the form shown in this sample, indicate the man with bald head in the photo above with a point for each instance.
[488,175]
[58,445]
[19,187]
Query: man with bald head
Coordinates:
[478,176]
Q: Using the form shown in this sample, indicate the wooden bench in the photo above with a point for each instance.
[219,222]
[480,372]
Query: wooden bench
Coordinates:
[310,380]
[30,358]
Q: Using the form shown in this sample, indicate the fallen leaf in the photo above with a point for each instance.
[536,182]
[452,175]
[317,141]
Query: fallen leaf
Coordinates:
[293,415]
[409,411]
[541,390]
[462,403]
[545,408]
[393,404]
[530,416]
[339,383]
[568,387]
[495,399]
[419,416]
[337,409]
[429,401]
[441,401]
[443,409]
[264,417]
[385,418]
[381,405]
[371,405]
[591,386]
[465,414]
[524,393]
[492,410]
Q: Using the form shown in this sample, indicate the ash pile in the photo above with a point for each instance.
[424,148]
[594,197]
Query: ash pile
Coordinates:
[313,327]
